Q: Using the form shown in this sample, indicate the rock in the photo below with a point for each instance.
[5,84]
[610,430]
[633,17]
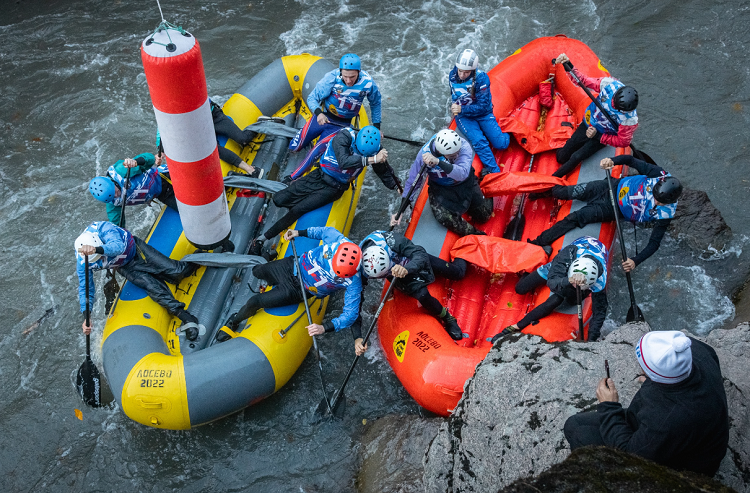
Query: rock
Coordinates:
[699,222]
[391,454]
[588,468]
[509,423]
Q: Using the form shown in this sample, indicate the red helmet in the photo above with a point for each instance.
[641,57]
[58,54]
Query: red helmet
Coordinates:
[346,259]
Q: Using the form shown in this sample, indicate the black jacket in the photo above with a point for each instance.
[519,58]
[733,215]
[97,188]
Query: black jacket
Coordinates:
[682,426]
[342,149]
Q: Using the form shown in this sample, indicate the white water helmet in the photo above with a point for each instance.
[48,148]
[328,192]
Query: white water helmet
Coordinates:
[447,142]
[585,265]
[467,60]
[89,238]
[375,262]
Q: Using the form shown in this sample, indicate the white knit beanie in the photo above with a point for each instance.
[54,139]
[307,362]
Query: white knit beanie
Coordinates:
[665,356]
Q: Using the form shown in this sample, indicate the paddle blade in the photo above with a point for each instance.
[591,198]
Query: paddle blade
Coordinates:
[635,314]
[514,230]
[88,383]
[339,407]
[111,288]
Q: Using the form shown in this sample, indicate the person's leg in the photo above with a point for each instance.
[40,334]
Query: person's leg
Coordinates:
[312,201]
[473,133]
[587,149]
[454,271]
[223,125]
[529,283]
[418,290]
[498,139]
[166,196]
[590,213]
[453,220]
[481,208]
[310,132]
[572,144]
[137,272]
[583,429]
[160,266]
[541,311]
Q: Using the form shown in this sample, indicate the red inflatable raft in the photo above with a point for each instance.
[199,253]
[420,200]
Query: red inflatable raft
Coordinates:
[431,366]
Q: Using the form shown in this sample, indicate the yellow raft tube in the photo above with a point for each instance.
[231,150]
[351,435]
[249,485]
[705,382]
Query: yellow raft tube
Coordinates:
[159,378]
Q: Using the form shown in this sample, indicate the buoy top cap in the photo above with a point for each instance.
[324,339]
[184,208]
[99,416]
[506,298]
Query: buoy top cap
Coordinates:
[168,42]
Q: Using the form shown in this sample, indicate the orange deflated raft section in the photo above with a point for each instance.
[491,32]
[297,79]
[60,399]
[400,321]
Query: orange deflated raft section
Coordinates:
[431,366]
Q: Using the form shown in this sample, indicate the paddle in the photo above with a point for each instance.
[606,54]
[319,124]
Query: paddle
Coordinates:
[88,381]
[112,287]
[337,396]
[514,229]
[397,139]
[634,313]
[309,321]
[407,200]
[580,313]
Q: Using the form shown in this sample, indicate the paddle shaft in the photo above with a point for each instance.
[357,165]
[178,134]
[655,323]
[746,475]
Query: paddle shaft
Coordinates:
[124,197]
[397,139]
[569,68]
[340,392]
[517,221]
[623,251]
[88,308]
[580,313]
[407,200]
[309,320]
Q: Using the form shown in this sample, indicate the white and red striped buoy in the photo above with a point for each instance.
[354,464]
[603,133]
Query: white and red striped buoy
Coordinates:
[177,82]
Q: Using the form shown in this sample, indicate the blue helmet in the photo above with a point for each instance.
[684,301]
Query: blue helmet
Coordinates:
[103,189]
[368,141]
[350,61]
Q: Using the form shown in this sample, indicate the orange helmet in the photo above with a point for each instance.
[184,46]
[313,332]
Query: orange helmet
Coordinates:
[346,259]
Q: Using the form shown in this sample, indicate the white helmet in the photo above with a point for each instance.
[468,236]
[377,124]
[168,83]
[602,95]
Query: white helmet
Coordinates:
[587,266]
[467,60]
[447,142]
[89,238]
[375,262]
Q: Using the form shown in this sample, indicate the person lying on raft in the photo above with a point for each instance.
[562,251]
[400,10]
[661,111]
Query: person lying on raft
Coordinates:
[225,127]
[650,196]
[472,109]
[328,268]
[111,247]
[388,254]
[453,186]
[583,263]
[336,99]
[678,418]
[343,156]
[147,182]
[596,131]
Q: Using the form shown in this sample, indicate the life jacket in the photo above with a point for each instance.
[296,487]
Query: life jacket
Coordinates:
[345,101]
[142,188]
[594,116]
[636,200]
[587,245]
[330,166]
[317,270]
[106,231]
[436,174]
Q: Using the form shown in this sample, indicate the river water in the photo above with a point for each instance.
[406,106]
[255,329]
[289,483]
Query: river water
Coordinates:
[74,100]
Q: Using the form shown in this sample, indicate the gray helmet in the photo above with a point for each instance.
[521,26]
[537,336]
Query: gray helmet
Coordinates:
[467,60]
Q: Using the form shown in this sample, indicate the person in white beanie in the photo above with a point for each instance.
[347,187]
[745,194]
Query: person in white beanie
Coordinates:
[679,416]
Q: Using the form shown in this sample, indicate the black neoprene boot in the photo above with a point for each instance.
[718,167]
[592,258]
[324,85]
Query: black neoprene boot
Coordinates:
[451,325]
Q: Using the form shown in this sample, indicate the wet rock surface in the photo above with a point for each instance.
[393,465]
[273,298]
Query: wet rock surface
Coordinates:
[699,222]
[509,423]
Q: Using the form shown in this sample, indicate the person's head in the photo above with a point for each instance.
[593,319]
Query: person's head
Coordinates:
[103,189]
[367,141]
[667,190]
[625,99]
[585,265]
[446,143]
[350,65]
[375,262]
[89,238]
[665,356]
[466,62]
[346,260]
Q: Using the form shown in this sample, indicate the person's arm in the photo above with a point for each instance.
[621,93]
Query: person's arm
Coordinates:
[386,174]
[81,271]
[657,234]
[322,90]
[482,98]
[643,168]
[145,162]
[462,164]
[646,441]
[418,258]
[593,83]
[622,138]
[229,157]
[114,212]
[342,149]
[325,233]
[374,97]
[557,278]
[113,244]
[599,306]
[352,298]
